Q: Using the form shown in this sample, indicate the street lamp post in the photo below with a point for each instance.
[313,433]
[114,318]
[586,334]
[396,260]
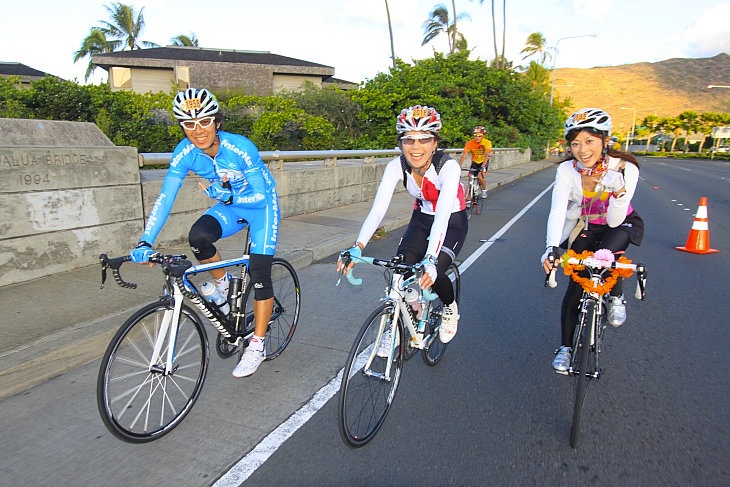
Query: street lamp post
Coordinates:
[630,135]
[555,59]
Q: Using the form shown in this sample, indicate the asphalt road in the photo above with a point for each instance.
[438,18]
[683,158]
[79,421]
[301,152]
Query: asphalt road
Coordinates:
[491,413]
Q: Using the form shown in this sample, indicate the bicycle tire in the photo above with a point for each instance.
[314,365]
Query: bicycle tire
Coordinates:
[472,198]
[367,395]
[287,305]
[585,358]
[434,351]
[479,202]
[138,403]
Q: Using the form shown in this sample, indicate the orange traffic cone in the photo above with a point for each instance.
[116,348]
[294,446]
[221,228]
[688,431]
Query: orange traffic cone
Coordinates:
[698,241]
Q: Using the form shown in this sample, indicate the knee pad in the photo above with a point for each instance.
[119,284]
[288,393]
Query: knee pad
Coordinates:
[260,270]
[203,233]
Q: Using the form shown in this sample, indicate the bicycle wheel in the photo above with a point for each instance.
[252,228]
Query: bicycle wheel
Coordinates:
[478,204]
[435,349]
[467,196]
[287,303]
[585,359]
[140,401]
[369,382]
[472,197]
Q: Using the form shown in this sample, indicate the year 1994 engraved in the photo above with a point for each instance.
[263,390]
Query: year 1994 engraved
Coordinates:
[31,179]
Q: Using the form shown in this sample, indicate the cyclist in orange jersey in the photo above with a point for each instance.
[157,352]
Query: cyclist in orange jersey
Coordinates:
[480,149]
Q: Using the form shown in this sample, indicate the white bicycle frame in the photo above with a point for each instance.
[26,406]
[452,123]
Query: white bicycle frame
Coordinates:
[400,311]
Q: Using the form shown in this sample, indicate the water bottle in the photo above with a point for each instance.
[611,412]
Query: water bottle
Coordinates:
[211,293]
[412,300]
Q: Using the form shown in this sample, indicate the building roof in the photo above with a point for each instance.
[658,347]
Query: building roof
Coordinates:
[203,54]
[18,69]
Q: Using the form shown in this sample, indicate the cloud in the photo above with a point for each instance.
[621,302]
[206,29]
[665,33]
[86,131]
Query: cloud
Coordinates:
[710,34]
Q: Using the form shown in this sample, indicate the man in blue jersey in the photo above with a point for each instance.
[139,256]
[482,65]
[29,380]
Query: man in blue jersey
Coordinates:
[244,188]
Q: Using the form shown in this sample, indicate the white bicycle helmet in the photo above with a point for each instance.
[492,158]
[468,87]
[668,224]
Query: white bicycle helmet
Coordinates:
[589,118]
[193,103]
[418,119]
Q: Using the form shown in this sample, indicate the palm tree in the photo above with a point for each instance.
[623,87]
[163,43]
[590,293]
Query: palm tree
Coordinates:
[121,32]
[499,60]
[651,122]
[535,45]
[438,23]
[185,41]
[390,30]
[126,25]
[538,75]
[95,43]
[504,29]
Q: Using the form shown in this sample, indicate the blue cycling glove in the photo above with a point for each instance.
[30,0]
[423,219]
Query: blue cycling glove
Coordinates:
[429,266]
[220,192]
[355,252]
[142,252]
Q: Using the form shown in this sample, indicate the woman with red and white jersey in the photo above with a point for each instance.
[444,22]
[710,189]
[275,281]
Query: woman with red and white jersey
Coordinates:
[439,224]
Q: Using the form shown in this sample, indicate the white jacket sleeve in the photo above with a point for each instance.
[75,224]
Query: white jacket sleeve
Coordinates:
[392,174]
[559,205]
[618,206]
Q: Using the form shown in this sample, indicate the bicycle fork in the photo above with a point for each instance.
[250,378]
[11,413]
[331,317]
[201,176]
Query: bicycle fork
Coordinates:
[592,342]
[169,333]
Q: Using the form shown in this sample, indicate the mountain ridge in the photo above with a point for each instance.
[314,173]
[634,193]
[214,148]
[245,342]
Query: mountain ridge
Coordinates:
[664,88]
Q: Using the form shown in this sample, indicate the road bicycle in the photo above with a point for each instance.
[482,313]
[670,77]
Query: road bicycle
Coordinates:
[373,369]
[596,273]
[475,195]
[154,368]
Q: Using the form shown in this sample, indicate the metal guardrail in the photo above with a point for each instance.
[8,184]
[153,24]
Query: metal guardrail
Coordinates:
[276,159]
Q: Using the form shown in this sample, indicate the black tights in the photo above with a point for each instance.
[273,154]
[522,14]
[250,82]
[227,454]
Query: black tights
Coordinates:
[414,244]
[595,238]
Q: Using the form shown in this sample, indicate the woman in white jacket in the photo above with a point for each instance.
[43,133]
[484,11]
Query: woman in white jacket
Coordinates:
[591,210]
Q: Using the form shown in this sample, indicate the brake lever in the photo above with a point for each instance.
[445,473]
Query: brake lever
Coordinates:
[346,260]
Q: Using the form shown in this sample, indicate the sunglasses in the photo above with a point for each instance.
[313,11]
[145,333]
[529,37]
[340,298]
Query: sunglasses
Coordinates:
[203,122]
[421,138]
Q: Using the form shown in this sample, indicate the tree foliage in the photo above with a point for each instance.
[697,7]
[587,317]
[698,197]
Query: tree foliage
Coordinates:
[185,40]
[466,93]
[439,23]
[121,31]
[513,106]
[535,45]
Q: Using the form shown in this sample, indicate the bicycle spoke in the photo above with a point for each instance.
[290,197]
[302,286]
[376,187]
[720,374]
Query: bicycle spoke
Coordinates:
[369,382]
[139,402]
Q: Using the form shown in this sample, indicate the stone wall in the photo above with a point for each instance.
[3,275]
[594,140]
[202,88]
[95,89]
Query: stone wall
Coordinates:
[68,194]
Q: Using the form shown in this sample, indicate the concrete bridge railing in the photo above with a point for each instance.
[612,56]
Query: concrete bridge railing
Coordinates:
[68,194]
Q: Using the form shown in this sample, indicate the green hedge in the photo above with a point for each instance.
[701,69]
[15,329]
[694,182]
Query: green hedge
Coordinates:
[466,93]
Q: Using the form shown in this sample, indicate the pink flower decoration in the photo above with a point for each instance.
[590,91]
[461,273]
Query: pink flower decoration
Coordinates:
[605,256]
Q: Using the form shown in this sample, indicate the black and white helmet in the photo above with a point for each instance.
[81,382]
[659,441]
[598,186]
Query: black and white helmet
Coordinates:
[193,103]
[589,118]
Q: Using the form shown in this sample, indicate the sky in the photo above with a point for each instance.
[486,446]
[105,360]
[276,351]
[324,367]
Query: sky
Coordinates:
[352,35]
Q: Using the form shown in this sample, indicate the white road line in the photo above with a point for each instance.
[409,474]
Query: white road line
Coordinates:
[488,243]
[268,446]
